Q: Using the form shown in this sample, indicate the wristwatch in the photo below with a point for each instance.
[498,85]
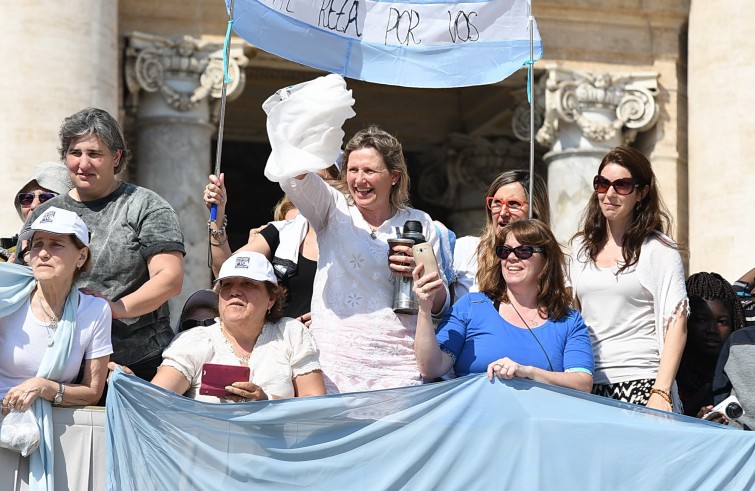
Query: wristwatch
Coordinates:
[59,395]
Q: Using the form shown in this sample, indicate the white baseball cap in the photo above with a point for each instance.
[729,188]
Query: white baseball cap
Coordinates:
[247,264]
[58,221]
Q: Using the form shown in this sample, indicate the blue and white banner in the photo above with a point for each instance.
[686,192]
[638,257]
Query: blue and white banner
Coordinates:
[412,43]
[466,433]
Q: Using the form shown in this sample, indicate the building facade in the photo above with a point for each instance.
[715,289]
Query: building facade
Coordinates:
[662,76]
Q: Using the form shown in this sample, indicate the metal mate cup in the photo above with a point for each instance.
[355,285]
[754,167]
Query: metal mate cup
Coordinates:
[404,299]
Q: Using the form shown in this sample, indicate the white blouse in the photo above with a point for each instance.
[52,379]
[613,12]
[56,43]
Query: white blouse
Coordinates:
[284,350]
[364,344]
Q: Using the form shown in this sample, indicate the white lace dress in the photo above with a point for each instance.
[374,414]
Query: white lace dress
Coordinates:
[363,344]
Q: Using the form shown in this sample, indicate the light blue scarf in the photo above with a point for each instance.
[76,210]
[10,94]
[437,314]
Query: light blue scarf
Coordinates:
[16,284]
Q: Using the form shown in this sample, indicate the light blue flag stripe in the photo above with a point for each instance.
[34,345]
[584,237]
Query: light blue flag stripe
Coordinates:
[466,433]
[451,65]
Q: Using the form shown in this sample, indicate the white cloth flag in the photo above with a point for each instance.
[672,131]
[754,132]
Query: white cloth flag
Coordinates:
[304,126]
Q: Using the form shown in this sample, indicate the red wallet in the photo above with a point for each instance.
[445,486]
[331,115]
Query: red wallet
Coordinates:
[216,377]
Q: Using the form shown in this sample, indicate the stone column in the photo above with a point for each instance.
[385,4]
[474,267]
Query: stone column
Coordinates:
[587,114]
[174,89]
[721,77]
[57,58]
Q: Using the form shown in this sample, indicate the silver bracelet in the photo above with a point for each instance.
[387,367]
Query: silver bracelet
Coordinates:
[217,233]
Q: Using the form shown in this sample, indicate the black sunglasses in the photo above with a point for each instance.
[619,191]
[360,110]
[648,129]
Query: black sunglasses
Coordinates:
[522,251]
[26,199]
[191,323]
[624,186]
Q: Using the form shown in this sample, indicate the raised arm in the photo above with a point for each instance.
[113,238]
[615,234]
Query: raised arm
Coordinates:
[312,197]
[431,361]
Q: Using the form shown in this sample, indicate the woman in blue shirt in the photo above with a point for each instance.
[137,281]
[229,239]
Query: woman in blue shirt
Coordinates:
[518,325]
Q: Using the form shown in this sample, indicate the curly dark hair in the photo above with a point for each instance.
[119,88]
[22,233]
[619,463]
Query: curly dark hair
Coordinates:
[712,286]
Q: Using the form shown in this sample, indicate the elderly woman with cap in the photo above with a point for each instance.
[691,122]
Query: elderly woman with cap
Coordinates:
[137,247]
[47,328]
[280,351]
[48,180]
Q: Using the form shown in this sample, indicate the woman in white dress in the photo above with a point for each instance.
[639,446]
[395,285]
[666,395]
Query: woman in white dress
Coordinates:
[364,345]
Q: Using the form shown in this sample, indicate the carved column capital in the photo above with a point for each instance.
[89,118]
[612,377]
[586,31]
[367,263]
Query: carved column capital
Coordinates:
[184,71]
[605,107]
[466,162]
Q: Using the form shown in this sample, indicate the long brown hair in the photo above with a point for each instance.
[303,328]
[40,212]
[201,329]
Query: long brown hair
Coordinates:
[552,294]
[649,216]
[486,257]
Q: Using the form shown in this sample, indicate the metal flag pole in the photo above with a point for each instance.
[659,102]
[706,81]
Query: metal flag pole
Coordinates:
[531,99]
[221,125]
[226,79]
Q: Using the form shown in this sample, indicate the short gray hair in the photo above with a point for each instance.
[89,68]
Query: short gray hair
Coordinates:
[94,122]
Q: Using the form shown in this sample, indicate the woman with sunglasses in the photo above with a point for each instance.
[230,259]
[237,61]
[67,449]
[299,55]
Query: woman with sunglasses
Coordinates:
[518,325]
[507,200]
[48,180]
[628,278]
[200,309]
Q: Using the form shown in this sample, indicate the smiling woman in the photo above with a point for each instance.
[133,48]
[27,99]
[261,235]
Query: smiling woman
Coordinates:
[365,344]
[507,200]
[518,325]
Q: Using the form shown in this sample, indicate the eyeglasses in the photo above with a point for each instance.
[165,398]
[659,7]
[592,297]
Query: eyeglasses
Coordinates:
[191,323]
[622,186]
[522,251]
[496,204]
[26,199]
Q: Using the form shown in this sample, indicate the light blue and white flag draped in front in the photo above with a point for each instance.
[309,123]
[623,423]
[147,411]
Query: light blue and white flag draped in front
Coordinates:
[466,433]
[412,43]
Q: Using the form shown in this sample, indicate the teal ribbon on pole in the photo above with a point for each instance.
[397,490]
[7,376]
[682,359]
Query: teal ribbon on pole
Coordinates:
[226,45]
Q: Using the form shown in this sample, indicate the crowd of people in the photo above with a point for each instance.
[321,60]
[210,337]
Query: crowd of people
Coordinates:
[308,303]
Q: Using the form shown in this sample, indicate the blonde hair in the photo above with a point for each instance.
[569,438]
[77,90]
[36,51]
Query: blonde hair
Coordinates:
[282,207]
[389,148]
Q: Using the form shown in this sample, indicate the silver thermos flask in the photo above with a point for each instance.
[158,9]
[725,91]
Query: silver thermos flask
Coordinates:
[404,299]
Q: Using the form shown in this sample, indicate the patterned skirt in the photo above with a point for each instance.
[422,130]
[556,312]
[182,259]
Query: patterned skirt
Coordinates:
[634,391]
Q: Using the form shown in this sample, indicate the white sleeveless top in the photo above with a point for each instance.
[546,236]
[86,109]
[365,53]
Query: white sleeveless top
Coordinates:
[619,313]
